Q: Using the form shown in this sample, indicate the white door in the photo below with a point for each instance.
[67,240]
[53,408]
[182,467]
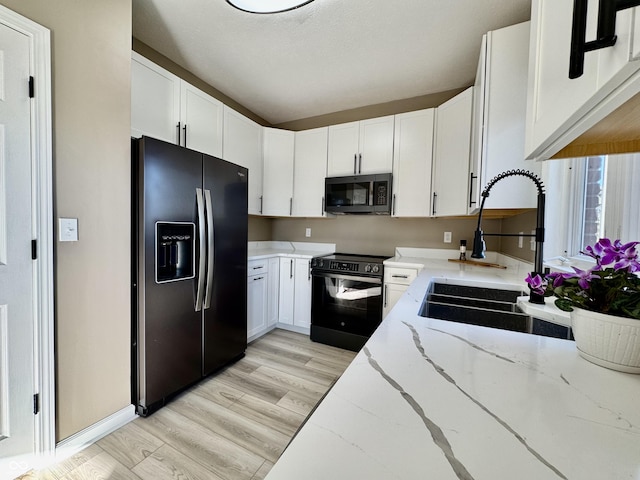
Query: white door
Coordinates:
[201,116]
[277,176]
[375,154]
[286,291]
[302,293]
[17,420]
[309,171]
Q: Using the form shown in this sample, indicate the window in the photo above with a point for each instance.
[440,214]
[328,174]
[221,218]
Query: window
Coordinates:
[593,202]
[590,198]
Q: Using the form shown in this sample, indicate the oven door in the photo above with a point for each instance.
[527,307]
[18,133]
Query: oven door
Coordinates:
[346,303]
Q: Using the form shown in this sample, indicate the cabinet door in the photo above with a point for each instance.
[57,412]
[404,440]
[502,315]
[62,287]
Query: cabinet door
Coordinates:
[343,149]
[277,186]
[302,301]
[286,291]
[477,131]
[309,172]
[375,152]
[559,109]
[201,116]
[256,304]
[451,156]
[505,105]
[273,284]
[155,100]
[413,149]
[242,144]
[392,293]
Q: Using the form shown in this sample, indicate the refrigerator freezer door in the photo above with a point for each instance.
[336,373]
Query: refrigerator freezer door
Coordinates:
[225,322]
[169,330]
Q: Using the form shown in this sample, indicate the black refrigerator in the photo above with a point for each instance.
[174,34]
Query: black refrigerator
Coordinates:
[189,268]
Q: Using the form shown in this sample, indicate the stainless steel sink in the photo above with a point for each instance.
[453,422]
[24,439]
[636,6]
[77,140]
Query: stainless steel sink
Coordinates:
[487,307]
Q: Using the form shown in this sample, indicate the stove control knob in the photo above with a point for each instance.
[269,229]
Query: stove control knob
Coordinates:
[375,269]
[367,268]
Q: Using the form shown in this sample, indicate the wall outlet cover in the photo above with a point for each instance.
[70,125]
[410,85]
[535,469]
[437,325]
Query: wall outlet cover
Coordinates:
[307,232]
[447,237]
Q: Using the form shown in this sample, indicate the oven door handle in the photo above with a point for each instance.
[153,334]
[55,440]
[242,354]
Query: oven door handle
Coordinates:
[376,281]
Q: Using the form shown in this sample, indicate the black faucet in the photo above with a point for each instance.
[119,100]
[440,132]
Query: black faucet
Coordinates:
[478,241]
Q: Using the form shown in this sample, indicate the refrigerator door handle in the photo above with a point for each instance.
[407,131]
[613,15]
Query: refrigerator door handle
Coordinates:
[210,248]
[202,250]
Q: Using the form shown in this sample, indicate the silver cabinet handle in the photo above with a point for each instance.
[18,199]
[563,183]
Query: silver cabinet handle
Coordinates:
[291,268]
[385,295]
[260,204]
[178,134]
[203,249]
[393,204]
[258,267]
[400,276]
[291,206]
[360,163]
[322,211]
[433,208]
[355,163]
[309,266]
[258,278]
[210,247]
[184,129]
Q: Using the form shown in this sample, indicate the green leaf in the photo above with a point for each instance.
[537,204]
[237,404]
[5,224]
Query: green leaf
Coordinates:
[564,304]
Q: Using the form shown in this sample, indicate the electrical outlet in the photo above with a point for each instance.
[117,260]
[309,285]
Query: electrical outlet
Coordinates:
[68,229]
[520,239]
[447,237]
[307,232]
[533,240]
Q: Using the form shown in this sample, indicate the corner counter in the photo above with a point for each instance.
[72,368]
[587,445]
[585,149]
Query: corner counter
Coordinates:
[428,398]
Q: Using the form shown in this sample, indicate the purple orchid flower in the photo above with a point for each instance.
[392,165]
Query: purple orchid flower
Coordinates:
[537,284]
[557,278]
[628,258]
[583,276]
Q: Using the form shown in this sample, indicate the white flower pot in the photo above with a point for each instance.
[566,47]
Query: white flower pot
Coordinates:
[607,340]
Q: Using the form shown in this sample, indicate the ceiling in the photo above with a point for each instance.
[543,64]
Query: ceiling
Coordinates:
[329,55]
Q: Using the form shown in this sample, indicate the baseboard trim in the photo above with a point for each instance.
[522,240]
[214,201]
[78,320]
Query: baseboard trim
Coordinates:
[78,441]
[294,328]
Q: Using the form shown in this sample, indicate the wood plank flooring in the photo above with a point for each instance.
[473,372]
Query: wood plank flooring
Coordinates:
[232,426]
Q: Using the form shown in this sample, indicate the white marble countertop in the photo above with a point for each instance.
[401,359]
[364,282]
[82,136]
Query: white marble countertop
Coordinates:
[260,250]
[430,399]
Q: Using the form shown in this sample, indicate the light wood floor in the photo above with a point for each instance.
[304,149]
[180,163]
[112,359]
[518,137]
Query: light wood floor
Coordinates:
[232,426]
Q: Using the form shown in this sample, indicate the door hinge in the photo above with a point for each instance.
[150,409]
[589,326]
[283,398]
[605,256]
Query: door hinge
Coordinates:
[32,88]
[36,403]
[34,249]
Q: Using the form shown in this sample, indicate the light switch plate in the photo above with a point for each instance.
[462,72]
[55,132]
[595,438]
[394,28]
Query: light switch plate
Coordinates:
[68,229]
[307,232]
[447,237]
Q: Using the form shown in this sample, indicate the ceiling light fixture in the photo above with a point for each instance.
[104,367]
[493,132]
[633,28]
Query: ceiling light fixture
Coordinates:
[267,6]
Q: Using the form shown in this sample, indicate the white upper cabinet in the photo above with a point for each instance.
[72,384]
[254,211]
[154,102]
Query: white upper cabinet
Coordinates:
[166,107]
[277,187]
[242,144]
[413,152]
[155,100]
[452,149]
[499,121]
[560,109]
[363,147]
[309,172]
[201,121]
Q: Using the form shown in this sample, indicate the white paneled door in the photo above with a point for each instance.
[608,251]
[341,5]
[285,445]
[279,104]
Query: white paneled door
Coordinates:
[17,419]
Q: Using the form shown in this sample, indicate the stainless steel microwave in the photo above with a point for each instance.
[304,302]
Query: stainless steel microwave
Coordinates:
[358,194]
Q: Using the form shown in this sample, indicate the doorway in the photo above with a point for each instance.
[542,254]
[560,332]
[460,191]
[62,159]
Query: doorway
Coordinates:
[26,245]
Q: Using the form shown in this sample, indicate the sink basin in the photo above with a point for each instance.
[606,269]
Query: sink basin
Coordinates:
[487,307]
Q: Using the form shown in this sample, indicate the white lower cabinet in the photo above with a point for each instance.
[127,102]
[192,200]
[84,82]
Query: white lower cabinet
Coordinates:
[396,282]
[257,297]
[273,285]
[294,304]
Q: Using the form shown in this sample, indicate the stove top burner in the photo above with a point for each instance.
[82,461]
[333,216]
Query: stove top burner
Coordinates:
[350,263]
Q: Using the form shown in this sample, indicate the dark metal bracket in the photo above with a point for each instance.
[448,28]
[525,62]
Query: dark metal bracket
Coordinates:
[606,35]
